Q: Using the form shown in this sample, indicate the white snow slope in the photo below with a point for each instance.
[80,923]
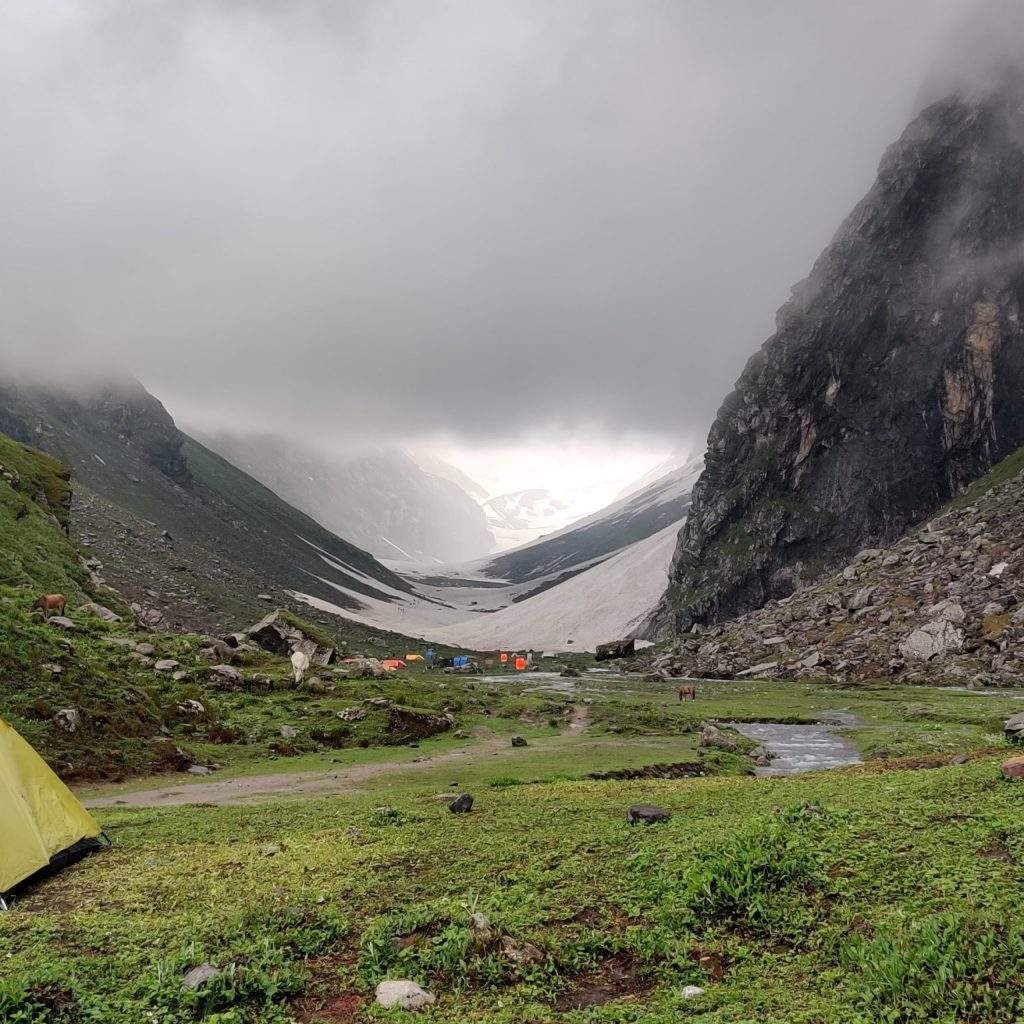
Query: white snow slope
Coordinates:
[604,602]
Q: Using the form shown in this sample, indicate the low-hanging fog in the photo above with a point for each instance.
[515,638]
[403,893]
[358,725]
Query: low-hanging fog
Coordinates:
[467,223]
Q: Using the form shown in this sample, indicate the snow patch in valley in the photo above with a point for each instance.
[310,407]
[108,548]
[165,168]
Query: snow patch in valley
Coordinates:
[604,602]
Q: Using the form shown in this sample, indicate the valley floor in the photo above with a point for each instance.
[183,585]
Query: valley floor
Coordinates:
[886,891]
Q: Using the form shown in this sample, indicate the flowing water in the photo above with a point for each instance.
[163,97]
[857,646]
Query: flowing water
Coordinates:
[802,748]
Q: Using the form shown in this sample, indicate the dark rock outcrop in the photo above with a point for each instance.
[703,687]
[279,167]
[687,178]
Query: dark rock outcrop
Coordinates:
[895,376]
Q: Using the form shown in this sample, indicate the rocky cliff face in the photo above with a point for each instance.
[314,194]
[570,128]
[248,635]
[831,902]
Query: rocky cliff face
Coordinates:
[895,376]
[942,604]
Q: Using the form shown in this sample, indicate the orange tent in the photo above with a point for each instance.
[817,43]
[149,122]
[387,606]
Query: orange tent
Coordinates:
[504,657]
[520,663]
[393,663]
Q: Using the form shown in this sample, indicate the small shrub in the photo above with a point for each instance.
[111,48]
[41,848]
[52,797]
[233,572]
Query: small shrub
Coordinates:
[757,880]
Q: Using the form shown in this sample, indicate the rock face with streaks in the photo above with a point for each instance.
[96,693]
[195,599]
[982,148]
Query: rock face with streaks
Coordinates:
[895,376]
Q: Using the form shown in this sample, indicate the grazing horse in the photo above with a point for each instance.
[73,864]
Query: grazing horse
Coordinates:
[300,662]
[688,692]
[51,603]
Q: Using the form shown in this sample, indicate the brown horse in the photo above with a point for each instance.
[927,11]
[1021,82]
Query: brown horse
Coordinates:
[51,603]
[688,692]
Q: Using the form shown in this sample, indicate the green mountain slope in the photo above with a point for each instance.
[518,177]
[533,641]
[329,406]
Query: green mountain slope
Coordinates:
[177,528]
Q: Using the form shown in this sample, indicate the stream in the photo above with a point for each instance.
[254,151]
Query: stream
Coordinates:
[802,748]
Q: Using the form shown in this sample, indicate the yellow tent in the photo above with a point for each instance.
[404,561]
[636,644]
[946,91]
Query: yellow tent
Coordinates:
[43,825]
[414,657]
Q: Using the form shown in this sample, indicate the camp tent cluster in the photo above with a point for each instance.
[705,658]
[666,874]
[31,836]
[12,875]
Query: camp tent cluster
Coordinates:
[43,826]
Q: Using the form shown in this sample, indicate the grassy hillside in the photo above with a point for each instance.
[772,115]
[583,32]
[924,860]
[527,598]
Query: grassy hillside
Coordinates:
[127,715]
[34,500]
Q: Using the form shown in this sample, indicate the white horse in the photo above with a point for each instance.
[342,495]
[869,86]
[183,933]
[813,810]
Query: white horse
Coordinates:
[300,662]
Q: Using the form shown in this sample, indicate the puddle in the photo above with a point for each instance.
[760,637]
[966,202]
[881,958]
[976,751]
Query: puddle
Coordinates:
[802,748]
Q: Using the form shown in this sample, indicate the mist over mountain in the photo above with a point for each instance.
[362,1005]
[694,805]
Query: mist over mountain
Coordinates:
[385,501]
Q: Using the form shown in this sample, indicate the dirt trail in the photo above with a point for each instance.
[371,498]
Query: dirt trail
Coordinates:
[256,787]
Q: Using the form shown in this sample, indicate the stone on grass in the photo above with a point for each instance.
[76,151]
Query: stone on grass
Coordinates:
[288,732]
[147,649]
[99,611]
[461,804]
[712,736]
[61,621]
[166,665]
[692,991]
[402,994]
[68,719]
[1014,768]
[518,741]
[199,976]
[522,954]
[646,814]
[1013,727]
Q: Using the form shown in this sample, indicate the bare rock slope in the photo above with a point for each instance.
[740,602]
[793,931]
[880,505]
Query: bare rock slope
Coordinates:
[945,603]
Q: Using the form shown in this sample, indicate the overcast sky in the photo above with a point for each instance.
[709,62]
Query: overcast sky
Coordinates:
[471,222]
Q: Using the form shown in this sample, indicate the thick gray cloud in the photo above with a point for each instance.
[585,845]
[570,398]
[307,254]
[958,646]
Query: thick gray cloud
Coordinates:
[419,218]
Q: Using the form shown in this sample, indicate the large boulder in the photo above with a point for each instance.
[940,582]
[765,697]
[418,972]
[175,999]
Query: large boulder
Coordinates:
[278,634]
[933,639]
[616,649]
[1013,727]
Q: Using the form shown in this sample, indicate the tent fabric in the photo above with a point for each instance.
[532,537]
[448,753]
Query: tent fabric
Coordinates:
[460,661]
[40,818]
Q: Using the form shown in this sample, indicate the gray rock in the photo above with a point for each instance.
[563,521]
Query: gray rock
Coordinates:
[199,769]
[68,719]
[646,814]
[147,649]
[1013,727]
[199,976]
[228,674]
[862,598]
[166,665]
[712,736]
[461,804]
[99,611]
[518,741]
[402,994]
[930,641]
[289,732]
[61,622]
[191,706]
